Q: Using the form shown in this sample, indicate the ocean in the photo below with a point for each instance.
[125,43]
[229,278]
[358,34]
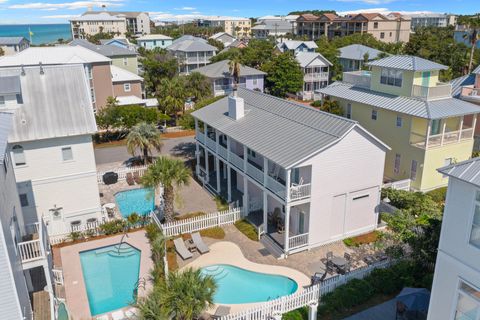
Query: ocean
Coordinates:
[42,33]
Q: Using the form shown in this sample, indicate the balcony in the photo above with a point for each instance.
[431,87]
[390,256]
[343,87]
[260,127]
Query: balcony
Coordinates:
[226,88]
[236,160]
[276,187]
[360,78]
[211,144]
[255,173]
[440,91]
[200,136]
[318,76]
[299,192]
[439,140]
[470,93]
[222,152]
[33,252]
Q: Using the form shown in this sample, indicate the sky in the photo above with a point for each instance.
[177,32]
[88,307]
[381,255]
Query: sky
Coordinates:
[59,11]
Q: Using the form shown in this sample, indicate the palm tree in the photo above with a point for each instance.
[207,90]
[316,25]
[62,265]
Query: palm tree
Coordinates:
[473,35]
[198,86]
[184,296]
[168,172]
[144,136]
[234,66]
[172,95]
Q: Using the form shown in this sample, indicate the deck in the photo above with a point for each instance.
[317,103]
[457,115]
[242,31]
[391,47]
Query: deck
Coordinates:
[41,305]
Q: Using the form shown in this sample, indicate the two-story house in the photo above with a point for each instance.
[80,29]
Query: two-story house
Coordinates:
[354,56]
[467,88]
[12,45]
[224,37]
[456,283]
[153,41]
[274,158]
[402,102]
[222,80]
[191,52]
[51,144]
[24,249]
[296,46]
[316,72]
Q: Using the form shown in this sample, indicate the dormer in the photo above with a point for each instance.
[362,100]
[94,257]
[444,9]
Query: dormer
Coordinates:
[10,92]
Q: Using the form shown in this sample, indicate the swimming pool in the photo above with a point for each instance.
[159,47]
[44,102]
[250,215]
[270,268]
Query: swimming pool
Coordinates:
[140,201]
[237,285]
[110,275]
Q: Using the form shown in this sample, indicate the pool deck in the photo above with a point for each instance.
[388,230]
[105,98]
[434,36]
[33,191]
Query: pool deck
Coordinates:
[225,252]
[75,291]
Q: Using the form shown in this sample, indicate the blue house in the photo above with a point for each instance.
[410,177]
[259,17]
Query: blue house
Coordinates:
[152,41]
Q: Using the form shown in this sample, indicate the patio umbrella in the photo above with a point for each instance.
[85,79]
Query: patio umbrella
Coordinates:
[414,299]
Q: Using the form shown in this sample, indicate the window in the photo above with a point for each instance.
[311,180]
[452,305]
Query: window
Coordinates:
[413,170]
[19,98]
[349,111]
[399,122]
[374,114]
[92,95]
[468,302]
[396,168]
[475,233]
[391,77]
[2,100]
[390,34]
[126,87]
[125,61]
[89,72]
[19,155]
[67,154]
[382,35]
[375,25]
[251,153]
[23,200]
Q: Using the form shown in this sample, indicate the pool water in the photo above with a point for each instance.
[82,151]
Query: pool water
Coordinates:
[110,275]
[237,285]
[140,201]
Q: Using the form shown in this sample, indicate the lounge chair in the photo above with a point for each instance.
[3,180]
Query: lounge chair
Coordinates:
[118,315]
[130,179]
[181,249]
[136,177]
[198,241]
[221,311]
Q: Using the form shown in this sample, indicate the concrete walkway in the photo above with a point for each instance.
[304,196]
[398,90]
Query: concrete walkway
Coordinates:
[384,311]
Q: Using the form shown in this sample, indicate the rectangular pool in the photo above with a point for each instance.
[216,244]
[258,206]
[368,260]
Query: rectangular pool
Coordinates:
[140,201]
[110,275]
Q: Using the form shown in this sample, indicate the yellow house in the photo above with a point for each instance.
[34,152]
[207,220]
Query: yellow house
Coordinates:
[402,102]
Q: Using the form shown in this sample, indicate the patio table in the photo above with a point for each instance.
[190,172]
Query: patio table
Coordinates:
[190,245]
[340,262]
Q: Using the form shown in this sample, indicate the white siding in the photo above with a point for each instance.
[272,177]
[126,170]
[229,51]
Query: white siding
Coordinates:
[352,167]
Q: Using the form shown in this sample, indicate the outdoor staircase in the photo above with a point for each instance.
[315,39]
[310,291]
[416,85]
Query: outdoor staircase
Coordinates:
[272,247]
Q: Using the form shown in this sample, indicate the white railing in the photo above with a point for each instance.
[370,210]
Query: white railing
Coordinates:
[438,140]
[399,185]
[222,152]
[255,204]
[358,78]
[122,172]
[441,90]
[211,144]
[200,136]
[58,276]
[298,241]
[470,91]
[30,250]
[320,76]
[276,187]
[301,191]
[254,172]
[236,160]
[211,220]
[62,232]
[279,306]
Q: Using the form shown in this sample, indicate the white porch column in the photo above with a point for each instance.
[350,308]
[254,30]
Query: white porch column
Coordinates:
[265,211]
[265,170]
[217,164]
[245,158]
[444,126]
[207,169]
[287,228]
[229,184]
[228,149]
[48,278]
[287,184]
[245,196]
[312,310]
[474,124]
[197,156]
[460,129]
[427,136]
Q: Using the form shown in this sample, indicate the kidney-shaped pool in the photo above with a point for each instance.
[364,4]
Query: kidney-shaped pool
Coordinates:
[237,285]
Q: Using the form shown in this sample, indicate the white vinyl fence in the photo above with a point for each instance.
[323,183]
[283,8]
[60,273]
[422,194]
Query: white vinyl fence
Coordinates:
[122,172]
[265,311]
[211,220]
[399,185]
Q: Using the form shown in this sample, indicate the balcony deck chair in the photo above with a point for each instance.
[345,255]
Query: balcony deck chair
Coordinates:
[181,249]
[198,241]
[136,177]
[130,179]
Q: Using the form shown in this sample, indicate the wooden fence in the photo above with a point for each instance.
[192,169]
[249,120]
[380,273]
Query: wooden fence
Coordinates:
[122,172]
[211,220]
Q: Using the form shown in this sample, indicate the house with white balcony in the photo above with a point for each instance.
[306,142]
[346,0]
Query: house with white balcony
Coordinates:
[191,52]
[25,258]
[303,177]
[467,88]
[50,144]
[316,73]
[456,283]
[222,79]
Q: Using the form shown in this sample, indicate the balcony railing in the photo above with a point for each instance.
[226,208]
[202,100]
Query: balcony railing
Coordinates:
[276,187]
[33,250]
[358,78]
[438,140]
[301,191]
[319,76]
[254,172]
[236,160]
[227,87]
[441,90]
[200,136]
[298,241]
[222,152]
[211,144]
[470,92]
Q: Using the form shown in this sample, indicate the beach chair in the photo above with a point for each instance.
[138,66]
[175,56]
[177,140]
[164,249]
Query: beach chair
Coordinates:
[221,311]
[130,179]
[198,241]
[181,249]
[136,177]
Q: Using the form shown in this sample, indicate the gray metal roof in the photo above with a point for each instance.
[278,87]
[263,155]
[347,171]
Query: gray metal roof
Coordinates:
[104,50]
[358,51]
[55,104]
[221,69]
[467,171]
[283,131]
[436,109]
[10,85]
[294,44]
[476,70]
[306,58]
[272,25]
[191,44]
[458,83]
[408,63]
[5,41]
[5,125]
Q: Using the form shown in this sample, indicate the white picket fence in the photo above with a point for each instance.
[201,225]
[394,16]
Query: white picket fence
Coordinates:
[399,185]
[211,220]
[122,172]
[267,310]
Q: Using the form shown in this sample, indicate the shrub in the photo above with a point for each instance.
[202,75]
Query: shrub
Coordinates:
[222,204]
[186,121]
[190,215]
[247,229]
[293,315]
[363,239]
[171,256]
[438,195]
[89,233]
[113,227]
[75,235]
[133,220]
[316,103]
[152,231]
[214,233]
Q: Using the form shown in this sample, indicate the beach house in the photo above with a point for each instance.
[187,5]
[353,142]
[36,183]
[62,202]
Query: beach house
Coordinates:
[191,52]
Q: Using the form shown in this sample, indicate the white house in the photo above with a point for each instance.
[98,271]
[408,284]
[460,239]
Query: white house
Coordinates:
[23,248]
[304,177]
[456,284]
[51,145]
[316,71]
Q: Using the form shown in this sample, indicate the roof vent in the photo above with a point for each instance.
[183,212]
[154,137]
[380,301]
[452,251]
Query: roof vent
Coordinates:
[236,107]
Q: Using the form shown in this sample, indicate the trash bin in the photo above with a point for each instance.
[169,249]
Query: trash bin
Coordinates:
[110,177]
